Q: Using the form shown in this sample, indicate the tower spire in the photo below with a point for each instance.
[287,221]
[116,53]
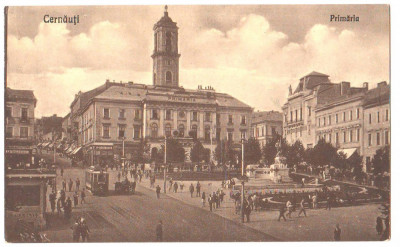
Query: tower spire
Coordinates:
[166,10]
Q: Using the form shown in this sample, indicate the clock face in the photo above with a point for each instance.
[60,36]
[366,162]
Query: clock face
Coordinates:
[181,114]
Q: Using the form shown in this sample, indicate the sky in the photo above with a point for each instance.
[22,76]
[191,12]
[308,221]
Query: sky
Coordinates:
[252,52]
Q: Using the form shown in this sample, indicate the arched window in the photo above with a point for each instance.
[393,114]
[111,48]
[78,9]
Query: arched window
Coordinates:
[154,130]
[168,42]
[167,130]
[168,77]
[181,130]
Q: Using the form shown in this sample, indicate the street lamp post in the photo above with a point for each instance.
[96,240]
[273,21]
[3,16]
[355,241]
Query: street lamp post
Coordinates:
[165,164]
[242,196]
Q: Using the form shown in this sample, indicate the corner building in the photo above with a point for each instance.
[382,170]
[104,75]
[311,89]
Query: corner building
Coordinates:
[115,117]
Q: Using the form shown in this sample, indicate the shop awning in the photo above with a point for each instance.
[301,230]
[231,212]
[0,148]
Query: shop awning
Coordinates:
[59,145]
[347,151]
[51,145]
[45,145]
[76,150]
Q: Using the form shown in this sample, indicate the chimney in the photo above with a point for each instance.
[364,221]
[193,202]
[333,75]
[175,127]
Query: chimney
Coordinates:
[365,85]
[382,84]
[344,87]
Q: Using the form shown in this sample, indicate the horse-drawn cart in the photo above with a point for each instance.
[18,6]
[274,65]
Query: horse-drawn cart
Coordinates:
[125,187]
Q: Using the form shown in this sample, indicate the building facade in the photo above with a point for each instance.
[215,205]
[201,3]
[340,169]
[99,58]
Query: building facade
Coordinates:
[113,119]
[266,125]
[376,121]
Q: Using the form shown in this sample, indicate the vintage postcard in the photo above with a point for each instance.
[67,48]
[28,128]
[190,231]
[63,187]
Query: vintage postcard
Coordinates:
[197,123]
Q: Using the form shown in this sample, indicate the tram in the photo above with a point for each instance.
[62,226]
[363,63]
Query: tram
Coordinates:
[96,181]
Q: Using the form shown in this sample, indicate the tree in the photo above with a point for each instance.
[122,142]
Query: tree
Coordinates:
[354,164]
[224,153]
[252,152]
[175,152]
[322,154]
[143,152]
[294,154]
[269,151]
[381,161]
[197,153]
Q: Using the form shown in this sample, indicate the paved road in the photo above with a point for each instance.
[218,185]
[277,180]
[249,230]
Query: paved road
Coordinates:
[120,218]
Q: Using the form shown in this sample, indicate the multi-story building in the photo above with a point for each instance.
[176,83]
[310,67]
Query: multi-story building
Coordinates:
[376,121]
[266,125]
[339,119]
[113,118]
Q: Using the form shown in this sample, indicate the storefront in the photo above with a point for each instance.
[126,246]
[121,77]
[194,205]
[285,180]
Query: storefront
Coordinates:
[99,154]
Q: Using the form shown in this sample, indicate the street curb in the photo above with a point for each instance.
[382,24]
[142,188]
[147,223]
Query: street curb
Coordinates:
[235,222]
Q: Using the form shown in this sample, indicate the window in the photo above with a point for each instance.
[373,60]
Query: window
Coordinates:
[106,131]
[168,41]
[218,134]
[386,137]
[243,134]
[370,118]
[344,136]
[337,137]
[358,135]
[301,113]
[181,130]
[208,117]
[378,139]
[351,135]
[194,131]
[344,116]
[324,121]
[273,131]
[230,119]
[243,120]
[262,130]
[24,114]
[329,120]
[377,117]
[291,116]
[167,130]
[257,132]
[351,115]
[122,113]
[182,115]
[387,115]
[194,116]
[168,77]
[329,137]
[218,118]
[154,130]
[230,136]
[358,113]
[106,113]
[136,131]
[138,114]
[8,111]
[336,118]
[154,114]
[369,139]
[296,115]
[121,130]
[9,132]
[309,110]
[168,115]
[207,133]
[23,132]
[319,122]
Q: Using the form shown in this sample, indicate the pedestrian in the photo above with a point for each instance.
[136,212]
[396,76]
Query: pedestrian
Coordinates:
[315,201]
[302,210]
[221,196]
[214,200]
[62,197]
[83,195]
[159,231]
[210,202]
[119,176]
[76,231]
[191,190]
[175,187]
[70,183]
[77,184]
[52,199]
[158,190]
[170,184]
[84,230]
[289,207]
[282,211]
[62,172]
[64,185]
[328,203]
[198,189]
[337,232]
[59,206]
[379,225]
[68,209]
[247,211]
[203,198]
[76,197]
[181,185]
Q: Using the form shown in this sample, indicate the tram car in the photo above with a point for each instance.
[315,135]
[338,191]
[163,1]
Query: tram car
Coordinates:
[96,181]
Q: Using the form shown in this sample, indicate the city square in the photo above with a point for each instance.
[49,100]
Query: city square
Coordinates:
[126,161]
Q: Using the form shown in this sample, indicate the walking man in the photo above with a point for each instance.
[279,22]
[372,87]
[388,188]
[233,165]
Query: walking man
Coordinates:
[191,189]
[198,189]
[83,195]
[159,230]
[282,213]
[158,190]
[77,183]
[64,185]
[52,199]
[302,210]
[203,198]
[70,183]
[337,232]
[210,202]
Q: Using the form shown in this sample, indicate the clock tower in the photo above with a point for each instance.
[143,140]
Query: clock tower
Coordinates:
[165,55]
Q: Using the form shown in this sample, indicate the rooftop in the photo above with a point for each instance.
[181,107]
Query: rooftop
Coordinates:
[19,95]
[263,116]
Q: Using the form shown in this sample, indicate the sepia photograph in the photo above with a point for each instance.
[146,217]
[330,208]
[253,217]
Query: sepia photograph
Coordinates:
[197,123]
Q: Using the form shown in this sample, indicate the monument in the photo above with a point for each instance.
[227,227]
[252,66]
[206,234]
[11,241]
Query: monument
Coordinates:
[279,172]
